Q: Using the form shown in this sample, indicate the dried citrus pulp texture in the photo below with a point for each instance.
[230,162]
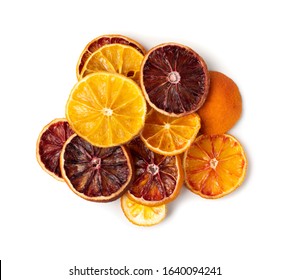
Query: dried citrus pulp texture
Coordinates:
[101,41]
[106,109]
[115,58]
[158,178]
[110,146]
[169,135]
[49,145]
[174,79]
[215,165]
[223,105]
[142,215]
[94,173]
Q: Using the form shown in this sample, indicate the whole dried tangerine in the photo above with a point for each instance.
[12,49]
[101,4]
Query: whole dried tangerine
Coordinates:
[223,106]
[174,79]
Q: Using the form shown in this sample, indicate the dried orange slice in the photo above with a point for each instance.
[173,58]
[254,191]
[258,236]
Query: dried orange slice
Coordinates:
[174,79]
[93,173]
[170,135]
[158,179]
[142,215]
[106,109]
[49,145]
[215,165]
[115,58]
[101,41]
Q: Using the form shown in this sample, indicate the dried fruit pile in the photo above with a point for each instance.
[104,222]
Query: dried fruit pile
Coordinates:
[140,124]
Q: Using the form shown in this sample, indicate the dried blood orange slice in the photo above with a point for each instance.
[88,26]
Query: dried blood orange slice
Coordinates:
[93,173]
[49,145]
[170,135]
[158,179]
[106,109]
[215,165]
[115,58]
[101,41]
[174,79]
[142,215]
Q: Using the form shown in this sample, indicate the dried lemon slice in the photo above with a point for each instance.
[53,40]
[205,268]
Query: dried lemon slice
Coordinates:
[106,109]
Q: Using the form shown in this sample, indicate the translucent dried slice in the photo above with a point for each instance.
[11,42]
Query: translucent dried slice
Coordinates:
[115,58]
[101,41]
[170,135]
[142,215]
[158,178]
[175,79]
[215,165]
[93,173]
[49,145]
[106,109]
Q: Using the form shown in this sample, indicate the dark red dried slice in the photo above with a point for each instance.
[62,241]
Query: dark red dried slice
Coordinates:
[174,79]
[158,178]
[93,173]
[99,42]
[49,145]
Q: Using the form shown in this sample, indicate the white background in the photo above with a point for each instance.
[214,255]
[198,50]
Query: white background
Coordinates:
[46,229]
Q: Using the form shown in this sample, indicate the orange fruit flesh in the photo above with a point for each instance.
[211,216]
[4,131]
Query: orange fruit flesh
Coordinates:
[115,58]
[223,106]
[215,165]
[142,215]
[101,41]
[106,109]
[169,135]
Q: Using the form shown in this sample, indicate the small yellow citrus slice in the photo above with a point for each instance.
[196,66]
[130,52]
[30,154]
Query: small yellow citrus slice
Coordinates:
[142,215]
[167,135]
[106,109]
[115,58]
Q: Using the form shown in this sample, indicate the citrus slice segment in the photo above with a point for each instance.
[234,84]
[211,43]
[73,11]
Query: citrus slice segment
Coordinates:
[49,145]
[174,79]
[170,135]
[158,178]
[215,165]
[93,173]
[115,58]
[101,41]
[106,109]
[142,215]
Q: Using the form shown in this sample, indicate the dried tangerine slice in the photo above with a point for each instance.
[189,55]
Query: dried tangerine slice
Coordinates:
[158,178]
[93,173]
[101,41]
[142,215]
[49,145]
[174,79]
[215,165]
[106,109]
[115,58]
[170,135]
